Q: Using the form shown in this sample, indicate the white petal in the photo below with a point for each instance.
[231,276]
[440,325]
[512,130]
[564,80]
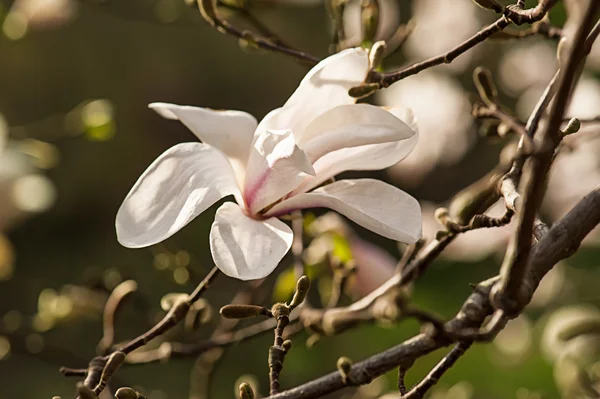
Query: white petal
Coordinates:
[228,131]
[179,185]
[351,126]
[246,248]
[324,87]
[366,157]
[373,204]
[276,166]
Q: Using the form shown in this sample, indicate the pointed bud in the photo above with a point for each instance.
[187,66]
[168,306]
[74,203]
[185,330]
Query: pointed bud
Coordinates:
[246,391]
[344,366]
[376,54]
[302,287]
[572,127]
[482,77]
[243,311]
[364,90]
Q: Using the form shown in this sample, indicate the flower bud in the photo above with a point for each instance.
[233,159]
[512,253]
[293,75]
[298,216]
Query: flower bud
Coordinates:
[302,287]
[572,127]
[243,311]
[344,366]
[363,90]
[246,391]
[376,54]
[287,345]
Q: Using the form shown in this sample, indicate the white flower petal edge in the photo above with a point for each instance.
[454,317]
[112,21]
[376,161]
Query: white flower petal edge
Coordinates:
[375,205]
[247,248]
[351,126]
[364,157]
[276,166]
[230,132]
[179,185]
[324,87]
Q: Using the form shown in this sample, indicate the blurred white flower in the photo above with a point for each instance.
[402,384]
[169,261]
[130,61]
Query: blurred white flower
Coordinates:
[440,26]
[443,115]
[527,64]
[37,14]
[270,168]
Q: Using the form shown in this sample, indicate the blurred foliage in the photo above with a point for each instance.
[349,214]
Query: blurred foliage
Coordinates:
[74,88]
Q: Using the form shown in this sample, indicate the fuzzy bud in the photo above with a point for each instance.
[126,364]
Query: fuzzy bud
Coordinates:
[572,127]
[344,366]
[246,391]
[287,345]
[482,77]
[302,287]
[376,54]
[363,90]
[243,311]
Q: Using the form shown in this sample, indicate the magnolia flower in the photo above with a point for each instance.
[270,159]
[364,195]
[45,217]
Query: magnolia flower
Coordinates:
[270,169]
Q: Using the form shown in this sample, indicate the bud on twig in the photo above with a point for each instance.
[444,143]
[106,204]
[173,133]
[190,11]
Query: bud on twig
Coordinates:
[482,77]
[344,366]
[246,391]
[376,54]
[243,311]
[287,345]
[302,287]
[363,90]
[572,127]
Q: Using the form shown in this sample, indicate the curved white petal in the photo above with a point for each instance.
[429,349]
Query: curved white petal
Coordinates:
[349,126]
[373,204]
[276,166]
[228,131]
[179,185]
[365,157]
[246,248]
[324,87]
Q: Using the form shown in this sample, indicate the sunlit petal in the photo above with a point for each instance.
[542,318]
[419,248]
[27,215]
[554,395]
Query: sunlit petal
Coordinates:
[324,87]
[246,248]
[228,131]
[373,204]
[276,166]
[179,185]
[365,157]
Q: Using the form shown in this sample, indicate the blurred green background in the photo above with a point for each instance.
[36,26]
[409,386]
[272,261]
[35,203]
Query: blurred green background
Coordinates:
[75,79]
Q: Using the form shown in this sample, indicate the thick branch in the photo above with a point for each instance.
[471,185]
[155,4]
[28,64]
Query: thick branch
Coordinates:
[559,243]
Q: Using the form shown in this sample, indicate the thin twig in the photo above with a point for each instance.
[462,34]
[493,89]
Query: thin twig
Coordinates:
[419,390]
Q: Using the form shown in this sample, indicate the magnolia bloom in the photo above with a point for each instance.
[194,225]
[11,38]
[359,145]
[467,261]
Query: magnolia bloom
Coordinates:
[272,169]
